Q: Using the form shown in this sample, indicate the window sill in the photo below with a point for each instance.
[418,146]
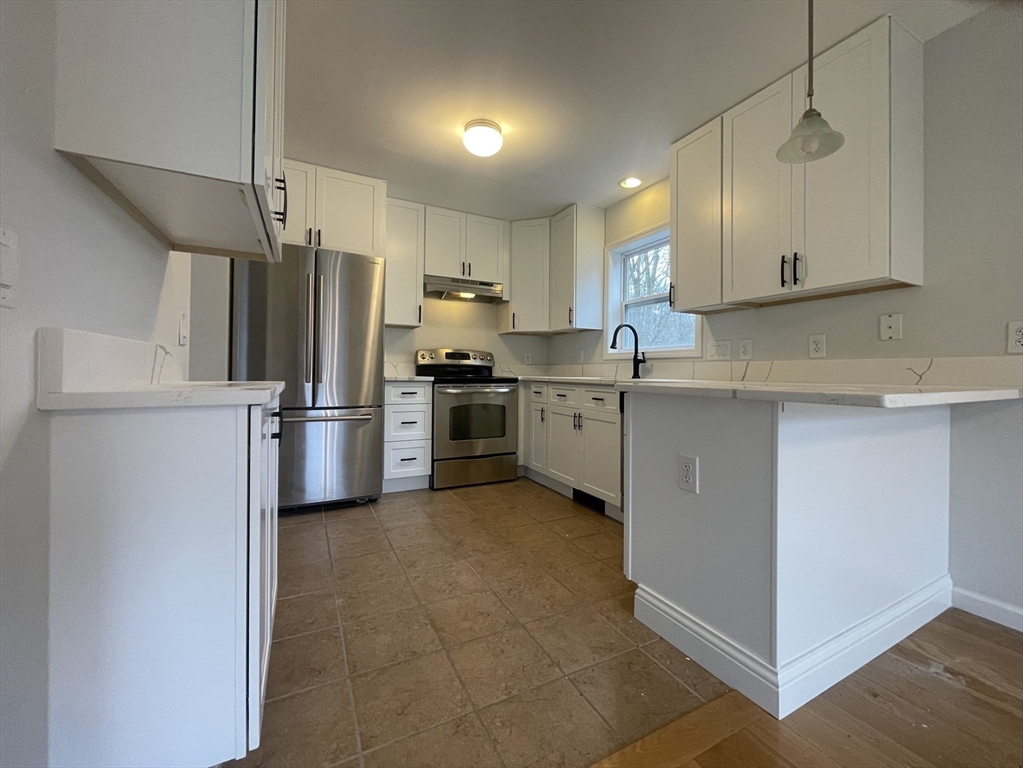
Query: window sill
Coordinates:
[653,354]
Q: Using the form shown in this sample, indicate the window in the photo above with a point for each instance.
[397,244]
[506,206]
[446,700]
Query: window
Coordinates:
[639,296]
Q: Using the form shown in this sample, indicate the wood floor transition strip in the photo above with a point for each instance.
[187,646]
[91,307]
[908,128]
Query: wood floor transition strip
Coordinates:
[677,743]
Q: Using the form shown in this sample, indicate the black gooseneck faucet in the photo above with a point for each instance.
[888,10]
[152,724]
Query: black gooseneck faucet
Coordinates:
[637,356]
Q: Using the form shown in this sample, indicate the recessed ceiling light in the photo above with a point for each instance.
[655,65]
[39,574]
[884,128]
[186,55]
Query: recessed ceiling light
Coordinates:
[482,137]
[630,182]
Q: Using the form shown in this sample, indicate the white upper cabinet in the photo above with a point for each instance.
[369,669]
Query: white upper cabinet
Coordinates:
[696,220]
[175,110]
[404,263]
[301,227]
[445,242]
[528,310]
[334,209]
[485,245]
[850,222]
[351,212]
[577,269]
[757,237]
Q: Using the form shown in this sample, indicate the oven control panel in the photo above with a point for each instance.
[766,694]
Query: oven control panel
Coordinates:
[454,357]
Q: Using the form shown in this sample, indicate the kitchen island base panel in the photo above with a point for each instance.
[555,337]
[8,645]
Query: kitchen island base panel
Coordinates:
[818,538]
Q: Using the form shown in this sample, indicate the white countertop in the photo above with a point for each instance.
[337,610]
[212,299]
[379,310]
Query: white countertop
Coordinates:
[863,395]
[165,395]
[408,378]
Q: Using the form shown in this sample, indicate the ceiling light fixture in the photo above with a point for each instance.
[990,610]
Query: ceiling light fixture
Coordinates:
[482,137]
[812,138]
[630,182]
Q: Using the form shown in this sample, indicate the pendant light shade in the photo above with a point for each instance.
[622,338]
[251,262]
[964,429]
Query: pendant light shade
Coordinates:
[812,138]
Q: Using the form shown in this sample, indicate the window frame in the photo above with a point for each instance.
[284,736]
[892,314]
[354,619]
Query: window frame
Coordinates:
[615,302]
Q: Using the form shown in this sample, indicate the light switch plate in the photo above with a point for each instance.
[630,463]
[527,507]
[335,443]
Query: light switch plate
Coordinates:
[528,358]
[891,327]
[817,346]
[745,349]
[183,330]
[1014,343]
[689,473]
[719,350]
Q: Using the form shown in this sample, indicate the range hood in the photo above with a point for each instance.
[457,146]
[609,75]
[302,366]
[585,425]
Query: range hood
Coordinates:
[461,289]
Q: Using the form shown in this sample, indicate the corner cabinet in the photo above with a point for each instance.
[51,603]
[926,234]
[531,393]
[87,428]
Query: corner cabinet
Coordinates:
[404,262]
[335,209]
[528,308]
[849,223]
[577,269]
[464,245]
[176,111]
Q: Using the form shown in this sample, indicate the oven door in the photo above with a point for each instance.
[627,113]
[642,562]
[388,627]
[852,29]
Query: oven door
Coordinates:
[474,420]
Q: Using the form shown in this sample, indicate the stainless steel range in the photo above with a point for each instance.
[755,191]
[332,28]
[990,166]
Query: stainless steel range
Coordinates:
[475,418]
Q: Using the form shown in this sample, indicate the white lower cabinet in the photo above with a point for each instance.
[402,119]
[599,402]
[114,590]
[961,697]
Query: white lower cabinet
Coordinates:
[408,433]
[578,444]
[163,581]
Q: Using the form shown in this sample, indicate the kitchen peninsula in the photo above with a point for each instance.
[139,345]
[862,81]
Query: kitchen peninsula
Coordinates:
[785,534]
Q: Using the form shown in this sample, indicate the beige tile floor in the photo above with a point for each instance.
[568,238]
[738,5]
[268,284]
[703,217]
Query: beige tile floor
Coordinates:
[485,626]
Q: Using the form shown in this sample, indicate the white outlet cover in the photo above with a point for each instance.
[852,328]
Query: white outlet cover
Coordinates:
[1014,342]
[528,359]
[817,346]
[891,327]
[689,473]
[745,349]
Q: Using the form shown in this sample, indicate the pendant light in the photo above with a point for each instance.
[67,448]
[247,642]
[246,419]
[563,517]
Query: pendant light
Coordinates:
[812,138]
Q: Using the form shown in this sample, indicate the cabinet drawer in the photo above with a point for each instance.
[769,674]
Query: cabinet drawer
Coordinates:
[407,422]
[407,459]
[564,395]
[601,399]
[408,392]
[538,392]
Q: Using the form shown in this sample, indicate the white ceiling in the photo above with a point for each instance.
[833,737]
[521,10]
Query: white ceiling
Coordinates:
[586,92]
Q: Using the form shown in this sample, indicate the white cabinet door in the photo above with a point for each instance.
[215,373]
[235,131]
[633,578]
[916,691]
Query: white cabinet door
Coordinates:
[537,436]
[301,180]
[351,212]
[529,309]
[564,446]
[562,255]
[445,242]
[280,9]
[483,245]
[757,238]
[696,220]
[404,263]
[840,208]
[602,450]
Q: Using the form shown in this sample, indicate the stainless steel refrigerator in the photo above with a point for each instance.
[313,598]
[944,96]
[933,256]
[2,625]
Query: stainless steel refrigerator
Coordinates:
[316,322]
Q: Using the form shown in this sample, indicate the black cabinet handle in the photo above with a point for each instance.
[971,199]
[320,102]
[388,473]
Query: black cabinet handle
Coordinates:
[784,261]
[513,321]
[569,315]
[795,269]
[580,422]
[557,394]
[413,458]
[574,426]
[420,313]
[282,184]
[470,269]
[319,238]
[404,423]
[463,269]
[409,393]
[671,295]
[276,415]
[598,399]
[309,236]
[542,416]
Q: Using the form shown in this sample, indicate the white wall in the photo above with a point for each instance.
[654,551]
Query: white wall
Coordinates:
[463,324]
[209,350]
[84,264]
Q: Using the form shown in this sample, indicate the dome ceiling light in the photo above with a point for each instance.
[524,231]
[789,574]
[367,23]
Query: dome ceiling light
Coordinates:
[630,183]
[812,138]
[482,137]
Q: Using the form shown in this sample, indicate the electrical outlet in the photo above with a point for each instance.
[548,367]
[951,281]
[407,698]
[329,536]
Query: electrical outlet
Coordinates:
[689,473]
[745,349]
[529,359]
[891,327]
[1014,343]
[579,355]
[817,346]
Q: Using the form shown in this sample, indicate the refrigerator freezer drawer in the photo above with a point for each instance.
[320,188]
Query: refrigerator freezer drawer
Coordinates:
[407,459]
[333,454]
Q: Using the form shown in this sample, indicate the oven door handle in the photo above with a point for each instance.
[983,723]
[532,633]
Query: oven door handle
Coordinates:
[476,391]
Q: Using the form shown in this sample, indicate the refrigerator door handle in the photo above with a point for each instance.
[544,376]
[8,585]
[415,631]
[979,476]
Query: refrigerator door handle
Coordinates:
[310,325]
[319,329]
[298,419]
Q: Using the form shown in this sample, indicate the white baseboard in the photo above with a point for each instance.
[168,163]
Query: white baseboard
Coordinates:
[615,513]
[783,690]
[988,608]
[398,484]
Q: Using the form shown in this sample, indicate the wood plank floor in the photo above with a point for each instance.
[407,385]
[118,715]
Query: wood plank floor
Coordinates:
[950,694]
